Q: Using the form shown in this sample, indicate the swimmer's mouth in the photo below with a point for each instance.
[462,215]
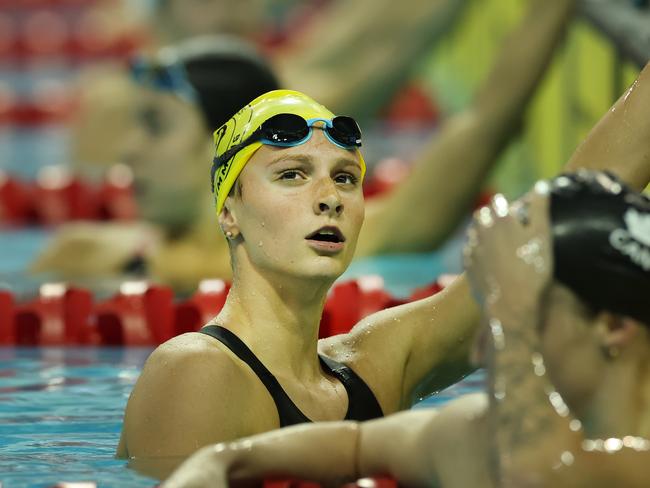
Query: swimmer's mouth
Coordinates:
[327,234]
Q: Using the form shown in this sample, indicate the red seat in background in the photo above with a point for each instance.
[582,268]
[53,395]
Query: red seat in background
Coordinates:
[15,201]
[351,301]
[59,315]
[386,175]
[60,197]
[191,314]
[57,196]
[116,200]
[426,291]
[6,318]
[141,314]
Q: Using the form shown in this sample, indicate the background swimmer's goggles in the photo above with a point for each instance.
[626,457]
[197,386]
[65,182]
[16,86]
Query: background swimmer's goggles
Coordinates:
[165,76]
[287,130]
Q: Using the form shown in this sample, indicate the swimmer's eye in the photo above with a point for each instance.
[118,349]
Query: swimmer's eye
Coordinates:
[152,122]
[346,179]
[291,174]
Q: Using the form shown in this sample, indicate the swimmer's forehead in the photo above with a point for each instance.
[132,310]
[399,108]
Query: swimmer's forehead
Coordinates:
[302,158]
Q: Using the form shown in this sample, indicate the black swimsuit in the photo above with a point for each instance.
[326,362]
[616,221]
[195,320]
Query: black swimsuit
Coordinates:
[362,404]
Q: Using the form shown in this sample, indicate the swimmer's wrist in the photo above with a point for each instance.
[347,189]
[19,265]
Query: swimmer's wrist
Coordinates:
[520,309]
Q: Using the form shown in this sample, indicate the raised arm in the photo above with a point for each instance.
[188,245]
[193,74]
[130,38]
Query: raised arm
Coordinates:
[412,350]
[620,142]
[371,44]
[452,167]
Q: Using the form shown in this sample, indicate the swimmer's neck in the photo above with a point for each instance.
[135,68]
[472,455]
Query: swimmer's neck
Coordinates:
[279,318]
[621,406]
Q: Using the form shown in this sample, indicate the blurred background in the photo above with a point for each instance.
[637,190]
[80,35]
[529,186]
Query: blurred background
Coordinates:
[60,57]
[47,46]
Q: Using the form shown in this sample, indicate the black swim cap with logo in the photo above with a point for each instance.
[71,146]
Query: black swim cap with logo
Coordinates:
[601,242]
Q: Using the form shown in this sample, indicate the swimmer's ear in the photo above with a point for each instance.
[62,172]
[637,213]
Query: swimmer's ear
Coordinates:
[228,221]
[617,333]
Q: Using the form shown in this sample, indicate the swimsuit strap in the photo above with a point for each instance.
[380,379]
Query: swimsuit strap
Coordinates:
[362,403]
[288,412]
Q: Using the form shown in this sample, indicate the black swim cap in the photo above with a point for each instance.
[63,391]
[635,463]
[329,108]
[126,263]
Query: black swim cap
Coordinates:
[601,242]
[226,73]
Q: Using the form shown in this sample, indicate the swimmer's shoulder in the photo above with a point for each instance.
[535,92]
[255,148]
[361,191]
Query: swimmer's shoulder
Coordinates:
[189,362]
[190,394]
[199,358]
[190,353]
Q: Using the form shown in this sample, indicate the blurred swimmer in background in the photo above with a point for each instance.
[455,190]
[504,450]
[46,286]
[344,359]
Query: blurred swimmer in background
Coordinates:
[375,28]
[445,181]
[564,278]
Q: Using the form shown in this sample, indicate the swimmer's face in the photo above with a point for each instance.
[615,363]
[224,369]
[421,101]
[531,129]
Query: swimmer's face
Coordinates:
[571,347]
[167,149]
[287,194]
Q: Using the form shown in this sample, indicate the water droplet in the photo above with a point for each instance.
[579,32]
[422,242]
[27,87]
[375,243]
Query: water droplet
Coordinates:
[500,205]
[575,425]
[485,217]
[566,458]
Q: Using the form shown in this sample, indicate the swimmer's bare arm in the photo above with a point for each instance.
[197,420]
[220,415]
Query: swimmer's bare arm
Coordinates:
[627,468]
[414,349]
[426,207]
[410,446]
[95,250]
[190,394]
[388,38]
[619,142]
[182,264]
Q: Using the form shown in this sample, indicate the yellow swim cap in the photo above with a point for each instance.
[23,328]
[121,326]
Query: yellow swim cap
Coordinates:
[246,121]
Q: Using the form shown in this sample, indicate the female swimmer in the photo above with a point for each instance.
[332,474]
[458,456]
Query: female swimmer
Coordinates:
[287,181]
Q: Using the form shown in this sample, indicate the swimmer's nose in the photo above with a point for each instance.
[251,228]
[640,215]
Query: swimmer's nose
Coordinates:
[328,202]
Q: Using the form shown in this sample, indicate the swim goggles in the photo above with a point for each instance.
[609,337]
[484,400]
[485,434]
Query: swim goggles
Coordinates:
[168,76]
[288,130]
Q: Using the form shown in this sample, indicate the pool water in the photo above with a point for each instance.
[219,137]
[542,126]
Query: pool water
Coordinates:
[61,411]
[60,415]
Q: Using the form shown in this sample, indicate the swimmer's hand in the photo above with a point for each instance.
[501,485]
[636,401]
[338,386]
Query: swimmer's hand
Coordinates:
[91,250]
[508,254]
